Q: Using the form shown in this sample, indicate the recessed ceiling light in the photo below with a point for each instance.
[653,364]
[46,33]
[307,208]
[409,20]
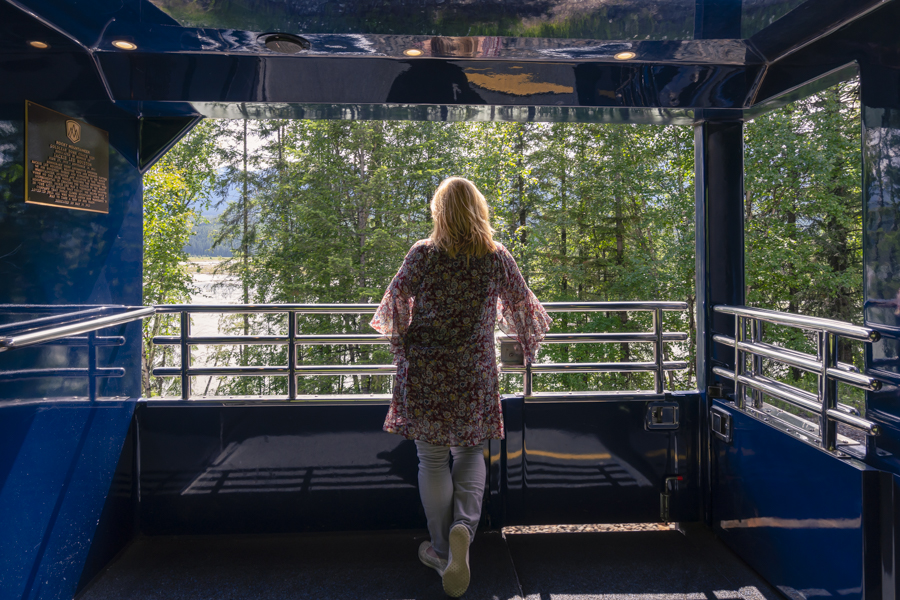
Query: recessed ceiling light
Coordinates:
[625,55]
[40,45]
[285,43]
[124,45]
[412,52]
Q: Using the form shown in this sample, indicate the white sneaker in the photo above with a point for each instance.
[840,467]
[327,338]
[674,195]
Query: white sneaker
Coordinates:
[456,574]
[435,562]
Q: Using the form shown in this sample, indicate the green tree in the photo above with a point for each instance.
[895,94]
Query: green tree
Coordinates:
[174,188]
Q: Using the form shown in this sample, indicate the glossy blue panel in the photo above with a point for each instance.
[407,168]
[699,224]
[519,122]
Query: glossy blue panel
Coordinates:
[59,450]
[881,189]
[719,260]
[795,513]
[117,524]
[254,469]
[55,256]
[881,162]
[594,462]
[208,78]
[719,184]
[57,475]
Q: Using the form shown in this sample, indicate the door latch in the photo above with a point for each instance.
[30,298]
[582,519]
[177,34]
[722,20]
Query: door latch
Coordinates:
[720,423]
[661,415]
[670,483]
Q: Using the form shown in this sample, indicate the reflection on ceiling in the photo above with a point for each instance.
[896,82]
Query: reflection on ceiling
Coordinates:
[586,19]
[756,15]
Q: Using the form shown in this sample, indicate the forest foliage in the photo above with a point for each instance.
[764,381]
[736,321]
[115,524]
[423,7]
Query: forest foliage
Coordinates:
[326,210]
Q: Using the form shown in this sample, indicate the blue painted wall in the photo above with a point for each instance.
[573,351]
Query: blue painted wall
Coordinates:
[58,450]
[796,514]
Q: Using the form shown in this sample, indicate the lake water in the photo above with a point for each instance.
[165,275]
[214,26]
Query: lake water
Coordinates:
[211,289]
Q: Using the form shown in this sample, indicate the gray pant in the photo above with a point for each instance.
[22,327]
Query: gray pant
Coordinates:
[450,498]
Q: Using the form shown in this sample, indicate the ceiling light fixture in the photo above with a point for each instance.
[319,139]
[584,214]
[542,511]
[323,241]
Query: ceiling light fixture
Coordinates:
[39,45]
[412,52]
[285,43]
[124,45]
[625,55]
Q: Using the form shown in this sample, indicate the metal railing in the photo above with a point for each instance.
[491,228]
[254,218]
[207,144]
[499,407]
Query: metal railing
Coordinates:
[36,331]
[748,344]
[292,339]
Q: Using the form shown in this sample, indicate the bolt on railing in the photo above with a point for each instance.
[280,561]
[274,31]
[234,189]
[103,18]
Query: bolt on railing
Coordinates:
[186,341]
[828,370]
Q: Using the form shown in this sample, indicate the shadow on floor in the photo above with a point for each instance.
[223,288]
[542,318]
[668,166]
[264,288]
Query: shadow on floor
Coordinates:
[664,565]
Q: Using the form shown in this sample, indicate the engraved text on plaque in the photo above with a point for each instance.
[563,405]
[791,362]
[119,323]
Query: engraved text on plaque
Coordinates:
[68,161]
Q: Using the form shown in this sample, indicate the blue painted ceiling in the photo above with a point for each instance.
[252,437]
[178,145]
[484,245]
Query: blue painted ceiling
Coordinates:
[692,58]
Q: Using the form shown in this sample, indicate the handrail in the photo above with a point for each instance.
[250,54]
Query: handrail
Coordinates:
[53,319]
[57,333]
[657,337]
[374,339]
[847,330]
[365,309]
[824,364]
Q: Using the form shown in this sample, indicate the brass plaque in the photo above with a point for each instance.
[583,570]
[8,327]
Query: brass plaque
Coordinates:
[67,161]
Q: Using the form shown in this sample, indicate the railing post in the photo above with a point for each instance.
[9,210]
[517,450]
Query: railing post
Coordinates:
[756,333]
[185,355]
[827,353]
[660,365]
[92,365]
[292,355]
[527,379]
[739,333]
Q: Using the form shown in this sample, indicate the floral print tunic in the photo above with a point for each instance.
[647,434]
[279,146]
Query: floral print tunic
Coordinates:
[439,313]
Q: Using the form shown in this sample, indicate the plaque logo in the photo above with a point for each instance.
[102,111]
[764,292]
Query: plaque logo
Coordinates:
[73,131]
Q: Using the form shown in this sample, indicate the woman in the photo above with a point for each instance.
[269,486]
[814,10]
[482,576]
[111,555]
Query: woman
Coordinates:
[439,313]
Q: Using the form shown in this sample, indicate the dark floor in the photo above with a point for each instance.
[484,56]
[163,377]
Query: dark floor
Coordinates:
[656,565]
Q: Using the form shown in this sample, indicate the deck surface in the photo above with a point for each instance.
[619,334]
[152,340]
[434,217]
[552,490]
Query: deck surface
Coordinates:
[663,565]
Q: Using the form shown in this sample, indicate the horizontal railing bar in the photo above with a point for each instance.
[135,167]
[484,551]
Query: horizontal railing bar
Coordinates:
[594,367]
[279,370]
[362,338]
[244,340]
[867,426]
[844,372]
[373,339]
[41,321]
[322,309]
[612,306]
[855,379]
[391,369]
[340,338]
[200,371]
[800,398]
[262,399]
[99,341]
[864,334]
[605,338]
[783,391]
[778,390]
[844,408]
[61,372]
[346,369]
[55,333]
[729,341]
[370,308]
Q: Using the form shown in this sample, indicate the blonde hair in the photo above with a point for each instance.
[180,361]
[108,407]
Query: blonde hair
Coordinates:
[462,223]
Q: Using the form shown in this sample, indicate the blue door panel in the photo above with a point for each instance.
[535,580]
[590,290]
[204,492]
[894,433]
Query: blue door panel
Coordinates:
[595,462]
[795,513]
